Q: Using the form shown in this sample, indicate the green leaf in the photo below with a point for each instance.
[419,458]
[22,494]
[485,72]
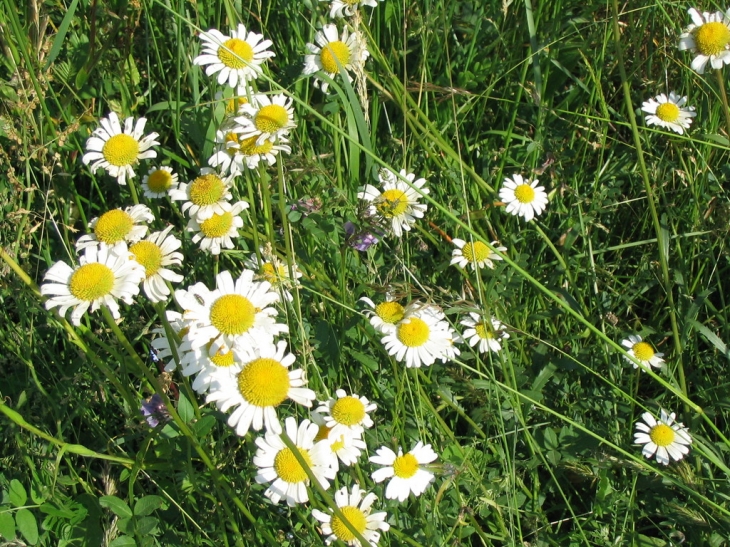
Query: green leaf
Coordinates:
[18,495]
[145,525]
[203,426]
[147,505]
[116,506]
[126,526]
[7,526]
[123,541]
[61,33]
[185,409]
[27,525]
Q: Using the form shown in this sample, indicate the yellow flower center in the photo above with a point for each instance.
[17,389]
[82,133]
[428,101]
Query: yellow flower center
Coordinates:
[250,148]
[643,351]
[712,38]
[149,255]
[662,435]
[271,118]
[322,433]
[415,333]
[351,2]
[121,150]
[348,410]
[332,53]
[667,112]
[234,104]
[207,189]
[113,226]
[355,517]
[475,252]
[524,193]
[91,281]
[288,467]
[338,445]
[264,382]
[159,181]
[390,312]
[217,225]
[405,466]
[232,314]
[392,203]
[221,359]
[235,53]
[484,331]
[273,274]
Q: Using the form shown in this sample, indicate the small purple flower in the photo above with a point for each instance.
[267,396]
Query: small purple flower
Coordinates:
[307,206]
[359,240]
[154,410]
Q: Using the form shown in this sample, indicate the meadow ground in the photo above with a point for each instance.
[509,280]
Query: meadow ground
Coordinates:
[192,216]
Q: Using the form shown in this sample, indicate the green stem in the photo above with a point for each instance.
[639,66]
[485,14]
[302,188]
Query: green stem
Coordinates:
[723,96]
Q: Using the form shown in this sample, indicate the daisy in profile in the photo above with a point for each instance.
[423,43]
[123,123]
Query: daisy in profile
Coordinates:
[258,386]
[642,352]
[709,38]
[118,151]
[161,344]
[274,270]
[355,508]
[476,254]
[404,470]
[342,8]
[347,412]
[159,181]
[669,112]
[421,338]
[523,197]
[398,202]
[117,227]
[279,466]
[346,447]
[330,49]
[204,196]
[484,334]
[216,232]
[663,438]
[155,253]
[235,313]
[266,118]
[103,275]
[236,58]
[384,316]
[234,155]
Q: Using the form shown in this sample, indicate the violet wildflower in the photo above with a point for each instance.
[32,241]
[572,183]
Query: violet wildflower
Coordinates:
[154,410]
[360,240]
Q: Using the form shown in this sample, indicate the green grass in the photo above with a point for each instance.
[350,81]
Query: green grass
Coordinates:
[535,443]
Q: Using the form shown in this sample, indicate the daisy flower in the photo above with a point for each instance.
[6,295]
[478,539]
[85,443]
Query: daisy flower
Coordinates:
[384,316]
[236,102]
[330,49]
[664,438]
[346,447]
[477,254]
[159,181]
[279,466]
[234,155]
[642,352]
[347,412]
[235,313]
[523,197]
[484,333]
[236,58]
[258,386]
[273,270]
[421,338]
[355,508]
[266,118]
[161,344]
[117,150]
[398,203]
[342,8]
[709,37]
[669,112]
[102,276]
[216,232]
[117,227]
[404,470]
[154,253]
[208,367]
[204,196]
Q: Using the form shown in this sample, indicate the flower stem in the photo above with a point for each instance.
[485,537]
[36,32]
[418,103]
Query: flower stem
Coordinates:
[723,96]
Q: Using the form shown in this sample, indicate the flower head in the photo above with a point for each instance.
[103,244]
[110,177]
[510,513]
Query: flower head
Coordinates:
[523,197]
[216,232]
[102,276]
[154,410]
[359,240]
[118,151]
[384,316]
[345,445]
[236,58]
[279,466]
[642,352]
[161,346]
[266,118]
[484,333]
[159,181]
[355,507]
[476,254]
[398,203]
[156,252]
[669,112]
[663,438]
[332,52]
[117,227]
[235,154]
[206,195]
[342,8]
[404,470]
[709,37]
[347,412]
[274,270]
